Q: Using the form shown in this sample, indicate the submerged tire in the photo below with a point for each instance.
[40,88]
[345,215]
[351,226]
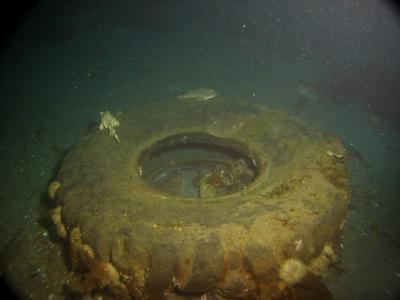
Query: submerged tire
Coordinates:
[232,243]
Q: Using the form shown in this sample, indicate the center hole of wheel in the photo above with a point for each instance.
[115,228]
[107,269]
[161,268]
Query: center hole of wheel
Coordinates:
[198,166]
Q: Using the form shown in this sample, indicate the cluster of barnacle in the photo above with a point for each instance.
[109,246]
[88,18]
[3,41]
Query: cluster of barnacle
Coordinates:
[293,270]
[97,275]
[55,214]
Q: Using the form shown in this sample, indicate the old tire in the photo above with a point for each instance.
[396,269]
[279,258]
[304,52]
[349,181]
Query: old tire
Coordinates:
[231,245]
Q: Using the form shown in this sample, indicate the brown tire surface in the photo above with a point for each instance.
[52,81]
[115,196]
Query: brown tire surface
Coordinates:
[228,246]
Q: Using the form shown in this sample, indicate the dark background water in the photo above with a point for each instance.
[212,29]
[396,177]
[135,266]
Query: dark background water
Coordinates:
[335,63]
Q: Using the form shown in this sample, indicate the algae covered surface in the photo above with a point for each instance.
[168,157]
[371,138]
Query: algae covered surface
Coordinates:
[101,180]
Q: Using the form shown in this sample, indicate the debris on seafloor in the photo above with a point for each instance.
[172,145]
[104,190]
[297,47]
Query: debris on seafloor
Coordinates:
[334,154]
[108,121]
[200,94]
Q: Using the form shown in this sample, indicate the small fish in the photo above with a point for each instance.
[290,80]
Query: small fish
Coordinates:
[200,94]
